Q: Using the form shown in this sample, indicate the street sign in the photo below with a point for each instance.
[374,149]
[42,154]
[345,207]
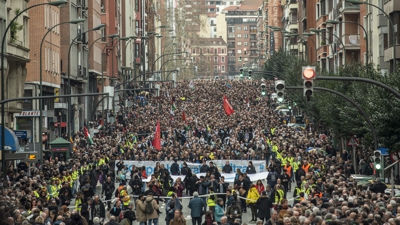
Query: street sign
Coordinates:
[32,156]
[352,142]
[394,156]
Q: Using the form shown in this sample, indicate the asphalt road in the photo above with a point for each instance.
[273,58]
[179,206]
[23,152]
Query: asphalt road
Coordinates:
[246,217]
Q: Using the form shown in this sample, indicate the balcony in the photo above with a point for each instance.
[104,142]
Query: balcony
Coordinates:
[351,41]
[253,47]
[390,6]
[231,46]
[321,20]
[231,38]
[231,62]
[293,4]
[322,51]
[348,8]
[388,54]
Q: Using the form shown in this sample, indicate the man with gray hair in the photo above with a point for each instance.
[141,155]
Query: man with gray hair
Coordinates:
[197,206]
[224,220]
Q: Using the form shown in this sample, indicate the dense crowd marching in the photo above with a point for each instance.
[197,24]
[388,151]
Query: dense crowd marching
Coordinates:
[195,129]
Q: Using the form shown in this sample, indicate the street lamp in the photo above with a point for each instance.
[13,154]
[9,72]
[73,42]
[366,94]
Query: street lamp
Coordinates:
[365,32]
[69,74]
[77,21]
[390,23]
[59,3]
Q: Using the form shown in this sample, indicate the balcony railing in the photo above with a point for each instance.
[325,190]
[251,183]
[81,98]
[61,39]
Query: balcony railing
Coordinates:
[351,39]
[231,46]
[231,38]
[349,6]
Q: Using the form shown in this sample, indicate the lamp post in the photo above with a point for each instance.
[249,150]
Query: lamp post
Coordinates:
[69,75]
[59,3]
[390,23]
[175,53]
[41,73]
[365,32]
[126,47]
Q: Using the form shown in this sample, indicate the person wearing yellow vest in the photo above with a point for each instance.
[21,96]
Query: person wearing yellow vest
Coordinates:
[79,201]
[125,198]
[211,199]
[278,194]
[296,193]
[252,197]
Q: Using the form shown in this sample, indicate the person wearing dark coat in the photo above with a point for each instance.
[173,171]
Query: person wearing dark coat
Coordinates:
[94,176]
[97,208]
[174,168]
[378,186]
[87,190]
[86,211]
[264,205]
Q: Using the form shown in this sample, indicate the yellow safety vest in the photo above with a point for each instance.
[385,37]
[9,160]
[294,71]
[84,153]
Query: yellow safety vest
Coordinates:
[78,205]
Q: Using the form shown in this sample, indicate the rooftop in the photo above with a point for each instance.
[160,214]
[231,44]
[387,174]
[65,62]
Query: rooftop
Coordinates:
[209,41]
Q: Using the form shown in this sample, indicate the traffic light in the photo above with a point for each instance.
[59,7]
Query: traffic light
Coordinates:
[241,72]
[280,90]
[250,73]
[245,51]
[308,81]
[263,89]
[240,58]
[377,160]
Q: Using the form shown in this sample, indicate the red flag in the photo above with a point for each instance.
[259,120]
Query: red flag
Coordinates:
[184,116]
[227,106]
[157,137]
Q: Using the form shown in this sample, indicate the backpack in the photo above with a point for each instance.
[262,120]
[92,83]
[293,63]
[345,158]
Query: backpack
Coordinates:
[149,207]
[273,177]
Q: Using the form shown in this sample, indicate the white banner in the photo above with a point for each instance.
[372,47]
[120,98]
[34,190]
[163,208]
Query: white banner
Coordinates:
[259,165]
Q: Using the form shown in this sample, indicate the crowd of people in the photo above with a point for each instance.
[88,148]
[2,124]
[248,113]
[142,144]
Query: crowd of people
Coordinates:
[94,185]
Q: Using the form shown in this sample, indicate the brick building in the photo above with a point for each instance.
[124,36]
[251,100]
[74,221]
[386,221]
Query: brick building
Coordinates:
[210,57]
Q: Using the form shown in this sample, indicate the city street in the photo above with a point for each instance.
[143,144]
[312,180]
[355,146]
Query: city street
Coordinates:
[246,217]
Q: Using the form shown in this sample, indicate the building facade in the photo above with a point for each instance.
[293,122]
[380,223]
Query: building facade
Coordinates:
[45,17]
[209,57]
[244,27]
[73,66]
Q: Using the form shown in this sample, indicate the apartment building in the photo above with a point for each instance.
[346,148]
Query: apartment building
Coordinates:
[73,66]
[16,57]
[45,17]
[209,56]
[243,25]
[392,8]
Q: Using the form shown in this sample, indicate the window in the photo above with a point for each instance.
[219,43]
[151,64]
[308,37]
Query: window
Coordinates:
[246,36]
[223,59]
[222,68]
[223,51]
[245,28]
[216,69]
[246,59]
[239,35]
[193,51]
[137,5]
[239,43]
[215,59]
[239,28]
[245,43]
[137,50]
[239,51]
[215,51]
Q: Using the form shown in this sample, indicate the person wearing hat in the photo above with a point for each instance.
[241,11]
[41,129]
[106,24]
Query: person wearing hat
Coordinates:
[197,206]
[264,206]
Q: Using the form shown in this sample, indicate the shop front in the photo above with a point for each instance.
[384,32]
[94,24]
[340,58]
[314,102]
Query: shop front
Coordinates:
[61,149]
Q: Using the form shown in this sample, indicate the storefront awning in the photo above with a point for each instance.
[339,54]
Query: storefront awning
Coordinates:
[11,140]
